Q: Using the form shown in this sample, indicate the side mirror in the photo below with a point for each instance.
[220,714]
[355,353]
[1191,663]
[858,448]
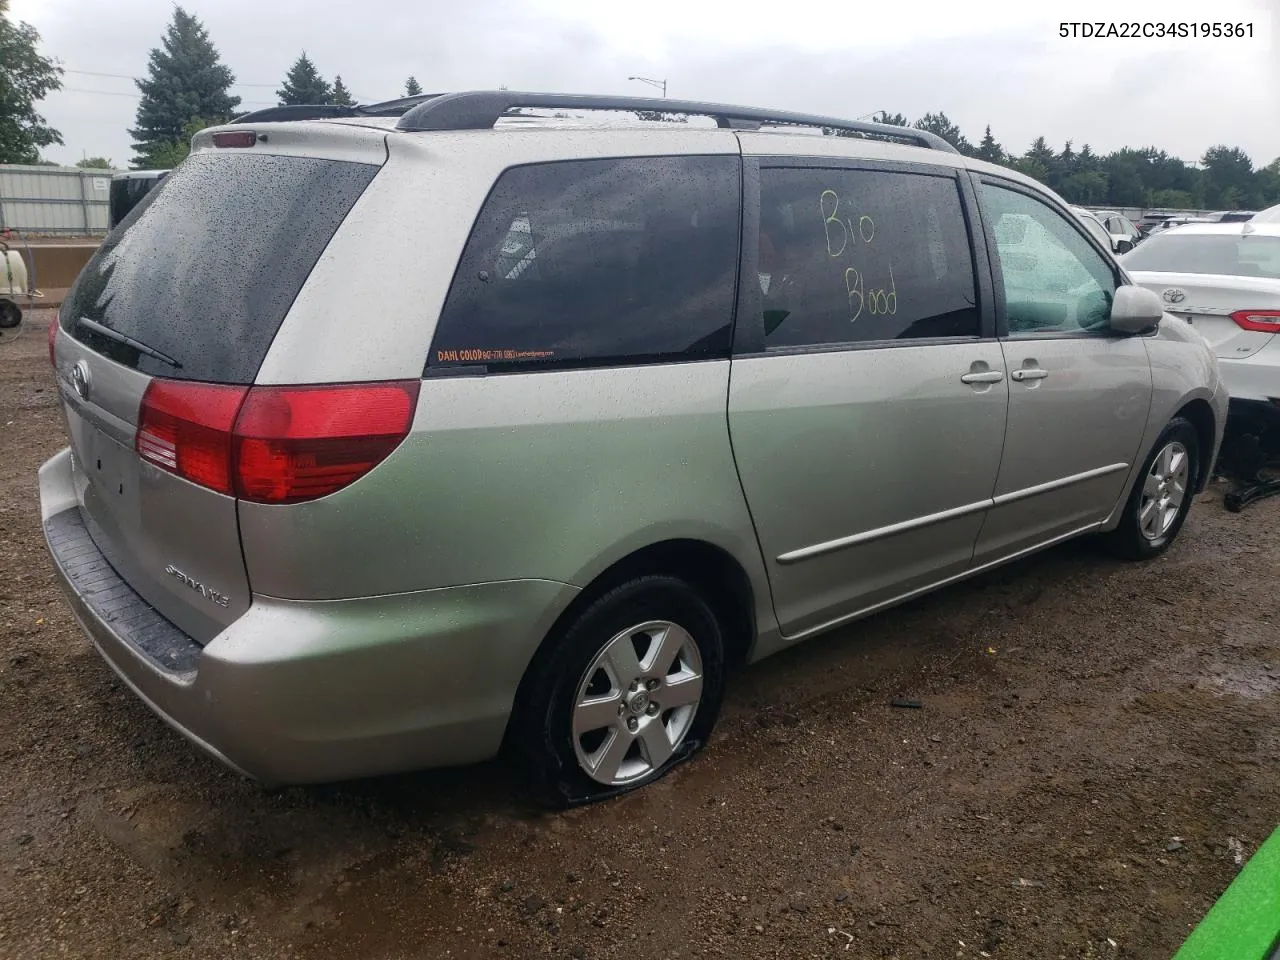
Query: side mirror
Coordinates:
[1123,246]
[1135,310]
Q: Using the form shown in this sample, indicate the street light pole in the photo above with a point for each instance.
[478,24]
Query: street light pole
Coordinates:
[660,84]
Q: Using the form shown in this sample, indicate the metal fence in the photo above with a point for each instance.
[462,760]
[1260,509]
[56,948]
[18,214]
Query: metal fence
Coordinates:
[65,201]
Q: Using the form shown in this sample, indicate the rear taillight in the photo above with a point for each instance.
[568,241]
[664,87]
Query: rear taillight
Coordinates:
[299,443]
[1259,321]
[53,341]
[273,444]
[185,428]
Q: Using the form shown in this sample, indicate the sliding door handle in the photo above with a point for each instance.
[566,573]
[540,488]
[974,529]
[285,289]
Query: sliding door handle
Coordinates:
[984,376]
[1029,373]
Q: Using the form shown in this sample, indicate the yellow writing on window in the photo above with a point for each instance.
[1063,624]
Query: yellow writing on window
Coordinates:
[845,237]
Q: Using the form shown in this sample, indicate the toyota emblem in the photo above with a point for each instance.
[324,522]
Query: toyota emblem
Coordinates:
[80,379]
[1173,295]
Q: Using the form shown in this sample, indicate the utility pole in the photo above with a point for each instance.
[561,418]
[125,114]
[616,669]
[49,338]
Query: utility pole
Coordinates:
[660,84]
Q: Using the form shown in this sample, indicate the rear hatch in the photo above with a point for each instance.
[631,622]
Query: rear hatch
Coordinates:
[1237,315]
[1222,279]
[171,319]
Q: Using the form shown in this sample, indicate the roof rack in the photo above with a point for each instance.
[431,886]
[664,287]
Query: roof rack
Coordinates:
[481,109]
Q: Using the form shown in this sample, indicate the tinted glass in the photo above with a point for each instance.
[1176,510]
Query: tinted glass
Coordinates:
[597,261]
[124,195]
[205,270]
[1054,280]
[849,256]
[1228,254]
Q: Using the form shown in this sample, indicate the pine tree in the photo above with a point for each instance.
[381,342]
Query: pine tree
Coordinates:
[412,88]
[303,84]
[941,125]
[25,79]
[989,149]
[186,81]
[341,95]
[893,119]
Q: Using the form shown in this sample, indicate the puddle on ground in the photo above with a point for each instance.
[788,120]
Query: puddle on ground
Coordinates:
[1252,680]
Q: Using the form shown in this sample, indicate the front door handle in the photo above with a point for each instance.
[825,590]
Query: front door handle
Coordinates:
[1029,373]
[985,376]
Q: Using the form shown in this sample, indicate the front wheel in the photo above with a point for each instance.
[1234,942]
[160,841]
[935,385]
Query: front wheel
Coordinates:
[10,315]
[627,690]
[1162,495]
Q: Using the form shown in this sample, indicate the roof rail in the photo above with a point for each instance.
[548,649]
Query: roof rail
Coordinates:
[481,109]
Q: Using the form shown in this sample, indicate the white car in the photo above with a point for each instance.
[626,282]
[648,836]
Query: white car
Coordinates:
[1119,226]
[1269,215]
[1099,232]
[1223,279]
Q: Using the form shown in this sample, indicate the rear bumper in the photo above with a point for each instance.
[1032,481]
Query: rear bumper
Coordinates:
[1256,377]
[313,691]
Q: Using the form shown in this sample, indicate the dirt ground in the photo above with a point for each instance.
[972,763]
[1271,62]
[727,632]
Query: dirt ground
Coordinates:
[1095,755]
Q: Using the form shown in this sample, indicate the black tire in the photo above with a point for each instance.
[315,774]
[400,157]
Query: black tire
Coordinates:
[10,315]
[1128,541]
[541,722]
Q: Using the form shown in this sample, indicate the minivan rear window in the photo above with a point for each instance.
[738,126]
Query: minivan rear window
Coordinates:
[203,272]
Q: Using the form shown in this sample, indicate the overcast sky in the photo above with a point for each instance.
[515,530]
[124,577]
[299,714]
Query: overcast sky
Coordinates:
[1000,62]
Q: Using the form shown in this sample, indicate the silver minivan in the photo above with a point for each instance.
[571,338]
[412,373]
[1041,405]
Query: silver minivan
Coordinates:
[398,439]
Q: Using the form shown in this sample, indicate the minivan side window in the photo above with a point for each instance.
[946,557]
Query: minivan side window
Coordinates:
[1055,282]
[850,256]
[597,262]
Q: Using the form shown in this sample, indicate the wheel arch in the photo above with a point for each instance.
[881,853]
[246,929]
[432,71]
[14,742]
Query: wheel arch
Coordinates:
[1200,415]
[712,570]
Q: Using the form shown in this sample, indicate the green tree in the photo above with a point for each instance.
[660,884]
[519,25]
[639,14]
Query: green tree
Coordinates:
[1172,199]
[1030,167]
[1125,186]
[1230,182]
[939,123]
[341,95]
[412,88]
[25,79]
[186,80]
[1269,183]
[1041,153]
[95,163]
[893,119]
[303,84]
[989,149]
[169,155]
[1087,188]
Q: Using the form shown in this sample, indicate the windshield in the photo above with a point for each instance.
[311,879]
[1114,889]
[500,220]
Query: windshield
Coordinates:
[202,272]
[1228,254]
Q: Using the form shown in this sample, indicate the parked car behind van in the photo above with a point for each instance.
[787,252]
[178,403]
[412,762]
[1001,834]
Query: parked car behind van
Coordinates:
[127,190]
[396,439]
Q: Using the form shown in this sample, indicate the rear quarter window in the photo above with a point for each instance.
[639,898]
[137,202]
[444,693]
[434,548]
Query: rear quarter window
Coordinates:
[597,262]
[205,268]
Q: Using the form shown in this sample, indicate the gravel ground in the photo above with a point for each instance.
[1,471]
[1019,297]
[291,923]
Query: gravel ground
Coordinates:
[1094,757]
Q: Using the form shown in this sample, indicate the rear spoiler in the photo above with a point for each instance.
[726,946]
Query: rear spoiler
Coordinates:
[332,111]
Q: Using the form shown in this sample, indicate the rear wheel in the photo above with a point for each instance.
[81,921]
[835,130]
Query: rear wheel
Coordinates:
[627,690]
[1162,495]
[10,315]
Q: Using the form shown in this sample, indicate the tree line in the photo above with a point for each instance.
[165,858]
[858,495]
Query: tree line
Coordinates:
[1223,179]
[187,88]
